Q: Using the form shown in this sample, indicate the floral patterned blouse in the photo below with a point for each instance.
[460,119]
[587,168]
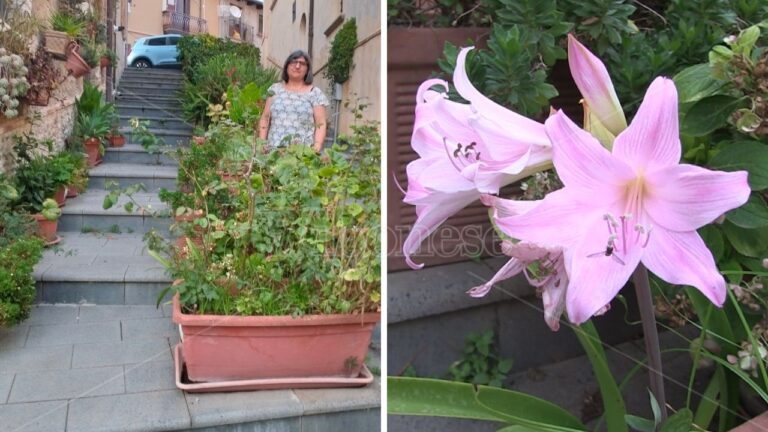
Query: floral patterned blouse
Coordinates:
[292,119]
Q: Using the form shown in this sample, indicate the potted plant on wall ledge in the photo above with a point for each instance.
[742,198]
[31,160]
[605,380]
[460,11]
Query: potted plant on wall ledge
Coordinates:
[285,285]
[66,28]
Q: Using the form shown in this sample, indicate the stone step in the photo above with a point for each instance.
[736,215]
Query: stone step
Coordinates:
[135,154]
[171,137]
[158,122]
[150,101]
[86,213]
[148,93]
[94,367]
[151,84]
[99,268]
[154,177]
[138,109]
[150,74]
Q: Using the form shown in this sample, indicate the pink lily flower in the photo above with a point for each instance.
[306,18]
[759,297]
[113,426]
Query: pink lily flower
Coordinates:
[633,204]
[465,150]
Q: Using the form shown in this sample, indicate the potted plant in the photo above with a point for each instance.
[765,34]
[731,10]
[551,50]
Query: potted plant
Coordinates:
[48,221]
[43,77]
[92,128]
[291,264]
[65,29]
[13,82]
[79,180]
[108,57]
[76,65]
[90,51]
[39,175]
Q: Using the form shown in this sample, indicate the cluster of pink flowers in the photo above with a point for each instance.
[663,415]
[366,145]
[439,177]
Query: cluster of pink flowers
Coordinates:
[626,199]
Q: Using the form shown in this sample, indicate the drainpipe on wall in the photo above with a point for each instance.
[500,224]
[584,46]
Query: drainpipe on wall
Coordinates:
[311,32]
[111,46]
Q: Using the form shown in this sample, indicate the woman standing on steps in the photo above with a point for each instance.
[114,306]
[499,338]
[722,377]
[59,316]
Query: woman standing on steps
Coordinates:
[295,110]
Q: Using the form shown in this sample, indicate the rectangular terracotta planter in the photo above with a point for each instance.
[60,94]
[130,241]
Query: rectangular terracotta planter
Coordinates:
[228,348]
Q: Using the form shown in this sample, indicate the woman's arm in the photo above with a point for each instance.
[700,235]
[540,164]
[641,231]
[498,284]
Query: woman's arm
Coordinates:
[264,120]
[320,127]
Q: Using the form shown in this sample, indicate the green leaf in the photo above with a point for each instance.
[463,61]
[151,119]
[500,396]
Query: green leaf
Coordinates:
[437,398]
[749,242]
[681,421]
[713,238]
[709,114]
[695,83]
[615,410]
[745,155]
[352,274]
[639,423]
[709,402]
[128,207]
[753,214]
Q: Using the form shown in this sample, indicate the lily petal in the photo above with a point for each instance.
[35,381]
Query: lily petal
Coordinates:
[595,85]
[595,278]
[544,223]
[525,129]
[581,162]
[687,197]
[682,258]
[511,268]
[432,211]
[652,141]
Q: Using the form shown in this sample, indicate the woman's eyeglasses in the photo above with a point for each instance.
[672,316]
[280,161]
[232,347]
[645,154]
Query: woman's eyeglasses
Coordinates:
[300,63]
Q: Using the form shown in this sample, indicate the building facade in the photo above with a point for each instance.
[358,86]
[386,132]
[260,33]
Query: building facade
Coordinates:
[311,25]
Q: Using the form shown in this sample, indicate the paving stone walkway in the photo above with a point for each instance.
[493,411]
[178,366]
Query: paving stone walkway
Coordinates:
[109,368]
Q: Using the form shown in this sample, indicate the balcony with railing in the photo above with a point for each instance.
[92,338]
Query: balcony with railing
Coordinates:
[177,22]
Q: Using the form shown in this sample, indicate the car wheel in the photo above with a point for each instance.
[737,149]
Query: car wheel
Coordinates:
[142,64]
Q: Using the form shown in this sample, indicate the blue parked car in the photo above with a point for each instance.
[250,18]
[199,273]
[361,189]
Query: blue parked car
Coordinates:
[155,51]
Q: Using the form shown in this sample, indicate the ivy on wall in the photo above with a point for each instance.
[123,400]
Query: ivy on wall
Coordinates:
[342,50]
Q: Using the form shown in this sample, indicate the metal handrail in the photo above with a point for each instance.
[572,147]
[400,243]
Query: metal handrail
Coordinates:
[177,22]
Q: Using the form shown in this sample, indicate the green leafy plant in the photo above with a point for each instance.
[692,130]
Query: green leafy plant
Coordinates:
[43,76]
[17,28]
[91,52]
[342,52]
[480,362]
[445,13]
[194,51]
[17,286]
[71,25]
[50,209]
[38,175]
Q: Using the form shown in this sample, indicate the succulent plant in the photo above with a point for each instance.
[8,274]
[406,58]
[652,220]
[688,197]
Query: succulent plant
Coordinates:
[13,83]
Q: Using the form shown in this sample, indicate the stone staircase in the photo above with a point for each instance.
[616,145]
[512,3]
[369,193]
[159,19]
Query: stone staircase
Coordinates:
[96,354]
[101,258]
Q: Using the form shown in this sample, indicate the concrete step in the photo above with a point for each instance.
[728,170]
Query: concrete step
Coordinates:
[127,92]
[152,73]
[94,367]
[150,101]
[99,268]
[154,177]
[137,109]
[151,84]
[135,154]
[86,213]
[169,136]
[158,122]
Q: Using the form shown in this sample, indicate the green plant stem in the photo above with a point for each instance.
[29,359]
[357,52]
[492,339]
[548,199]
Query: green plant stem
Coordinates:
[651,336]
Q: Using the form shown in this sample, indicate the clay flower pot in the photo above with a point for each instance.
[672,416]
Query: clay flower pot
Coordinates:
[199,140]
[71,192]
[229,348]
[60,196]
[104,62]
[75,64]
[47,228]
[92,151]
[116,140]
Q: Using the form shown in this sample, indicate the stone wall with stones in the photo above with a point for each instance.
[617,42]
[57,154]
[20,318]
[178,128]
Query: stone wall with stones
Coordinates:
[54,121]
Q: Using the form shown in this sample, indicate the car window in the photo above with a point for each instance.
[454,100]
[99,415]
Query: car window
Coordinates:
[156,41]
[173,40]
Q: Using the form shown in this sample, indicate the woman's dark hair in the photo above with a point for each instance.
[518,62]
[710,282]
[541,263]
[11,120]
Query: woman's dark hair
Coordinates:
[295,55]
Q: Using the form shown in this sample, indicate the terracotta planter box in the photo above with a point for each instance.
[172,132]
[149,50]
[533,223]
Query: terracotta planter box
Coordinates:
[757,424]
[56,43]
[230,348]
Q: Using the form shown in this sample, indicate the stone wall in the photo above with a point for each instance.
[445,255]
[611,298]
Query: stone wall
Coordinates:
[54,121]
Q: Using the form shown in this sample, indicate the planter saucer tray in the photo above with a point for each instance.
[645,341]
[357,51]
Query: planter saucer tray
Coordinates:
[365,378]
